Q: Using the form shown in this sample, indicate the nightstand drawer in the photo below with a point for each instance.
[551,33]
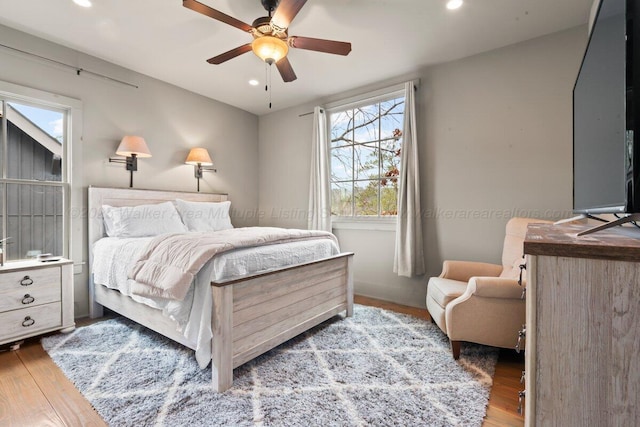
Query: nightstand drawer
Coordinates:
[30,279]
[27,297]
[26,321]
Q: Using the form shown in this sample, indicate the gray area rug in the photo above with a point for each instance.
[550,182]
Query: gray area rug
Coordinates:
[377,368]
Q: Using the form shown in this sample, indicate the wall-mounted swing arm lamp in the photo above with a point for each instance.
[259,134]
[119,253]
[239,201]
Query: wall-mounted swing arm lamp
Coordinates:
[131,147]
[201,161]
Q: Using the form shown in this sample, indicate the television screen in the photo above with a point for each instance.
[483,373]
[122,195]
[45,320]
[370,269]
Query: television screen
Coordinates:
[599,116]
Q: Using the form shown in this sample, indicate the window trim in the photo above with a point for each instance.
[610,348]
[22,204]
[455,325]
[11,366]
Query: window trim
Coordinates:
[374,97]
[380,223]
[72,109]
[365,99]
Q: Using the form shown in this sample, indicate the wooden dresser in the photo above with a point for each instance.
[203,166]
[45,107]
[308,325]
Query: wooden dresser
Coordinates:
[583,327]
[35,297]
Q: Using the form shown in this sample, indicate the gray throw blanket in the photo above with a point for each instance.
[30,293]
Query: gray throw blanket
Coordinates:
[170,262]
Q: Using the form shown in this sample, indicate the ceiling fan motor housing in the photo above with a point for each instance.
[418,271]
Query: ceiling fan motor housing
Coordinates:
[270,5]
[263,25]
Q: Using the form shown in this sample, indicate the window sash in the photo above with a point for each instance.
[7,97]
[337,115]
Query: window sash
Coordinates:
[374,100]
[64,182]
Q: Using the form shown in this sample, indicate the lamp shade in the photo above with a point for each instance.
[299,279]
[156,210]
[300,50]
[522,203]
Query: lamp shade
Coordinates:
[270,49]
[199,156]
[133,145]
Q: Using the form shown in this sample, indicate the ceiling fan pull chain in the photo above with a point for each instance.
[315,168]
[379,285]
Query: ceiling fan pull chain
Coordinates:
[270,87]
[266,81]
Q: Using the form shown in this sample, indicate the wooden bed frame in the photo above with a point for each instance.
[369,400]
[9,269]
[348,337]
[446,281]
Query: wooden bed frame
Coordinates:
[250,315]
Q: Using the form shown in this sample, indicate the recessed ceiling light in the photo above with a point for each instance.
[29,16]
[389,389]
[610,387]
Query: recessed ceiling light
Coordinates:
[254,82]
[454,4]
[83,3]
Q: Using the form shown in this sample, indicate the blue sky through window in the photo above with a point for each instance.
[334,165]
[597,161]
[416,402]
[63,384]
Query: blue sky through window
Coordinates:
[49,121]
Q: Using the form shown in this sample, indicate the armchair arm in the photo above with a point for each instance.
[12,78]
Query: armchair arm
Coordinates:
[465,270]
[489,312]
[494,287]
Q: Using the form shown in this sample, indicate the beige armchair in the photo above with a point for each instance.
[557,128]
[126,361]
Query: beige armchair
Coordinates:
[480,302]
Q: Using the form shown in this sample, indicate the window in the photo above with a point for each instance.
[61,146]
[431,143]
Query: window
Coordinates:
[33,184]
[365,147]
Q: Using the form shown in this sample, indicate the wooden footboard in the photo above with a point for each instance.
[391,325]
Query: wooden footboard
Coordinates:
[253,315]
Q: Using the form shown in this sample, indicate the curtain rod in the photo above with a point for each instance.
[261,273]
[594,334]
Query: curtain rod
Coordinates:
[76,69]
[310,112]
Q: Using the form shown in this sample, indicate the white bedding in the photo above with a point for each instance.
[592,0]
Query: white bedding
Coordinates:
[113,257]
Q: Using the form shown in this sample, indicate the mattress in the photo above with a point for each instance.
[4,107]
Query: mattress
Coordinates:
[113,257]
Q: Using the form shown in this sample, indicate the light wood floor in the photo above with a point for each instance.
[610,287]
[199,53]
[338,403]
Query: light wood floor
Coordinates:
[34,392]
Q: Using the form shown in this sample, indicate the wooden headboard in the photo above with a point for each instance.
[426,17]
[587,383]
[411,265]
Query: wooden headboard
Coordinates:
[99,196]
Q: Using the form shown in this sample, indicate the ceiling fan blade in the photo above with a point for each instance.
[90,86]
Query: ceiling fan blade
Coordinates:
[230,54]
[320,45]
[286,71]
[285,12]
[216,14]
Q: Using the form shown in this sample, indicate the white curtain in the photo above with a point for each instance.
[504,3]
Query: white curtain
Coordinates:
[409,255]
[319,192]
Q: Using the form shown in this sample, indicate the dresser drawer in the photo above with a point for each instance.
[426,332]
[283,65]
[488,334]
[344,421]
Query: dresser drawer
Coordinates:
[28,280]
[28,321]
[27,297]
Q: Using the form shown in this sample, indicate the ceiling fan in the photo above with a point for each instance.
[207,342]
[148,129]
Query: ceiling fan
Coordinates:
[271,41]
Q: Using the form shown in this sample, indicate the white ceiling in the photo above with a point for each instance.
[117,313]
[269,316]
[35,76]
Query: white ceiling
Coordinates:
[390,38]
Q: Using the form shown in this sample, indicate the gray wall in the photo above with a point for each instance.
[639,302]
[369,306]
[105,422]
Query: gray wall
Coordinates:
[495,135]
[170,119]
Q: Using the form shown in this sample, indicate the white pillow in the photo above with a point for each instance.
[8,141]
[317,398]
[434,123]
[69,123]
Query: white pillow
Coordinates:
[142,220]
[203,216]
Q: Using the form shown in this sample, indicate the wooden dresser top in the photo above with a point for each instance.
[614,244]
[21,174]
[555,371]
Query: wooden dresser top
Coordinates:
[617,243]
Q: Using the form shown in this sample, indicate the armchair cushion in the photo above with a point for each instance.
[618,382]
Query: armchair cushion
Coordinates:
[513,271]
[443,291]
[464,270]
[512,250]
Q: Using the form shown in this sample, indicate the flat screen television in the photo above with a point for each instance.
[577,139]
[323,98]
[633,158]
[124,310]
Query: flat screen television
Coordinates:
[606,109]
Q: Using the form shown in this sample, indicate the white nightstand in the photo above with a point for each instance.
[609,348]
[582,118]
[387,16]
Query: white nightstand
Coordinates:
[35,297]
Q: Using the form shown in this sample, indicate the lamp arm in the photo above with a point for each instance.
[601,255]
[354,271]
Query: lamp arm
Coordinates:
[131,164]
[209,169]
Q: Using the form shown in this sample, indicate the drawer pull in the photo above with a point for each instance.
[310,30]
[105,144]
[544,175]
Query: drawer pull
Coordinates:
[521,336]
[522,267]
[28,321]
[521,395]
[26,281]
[28,299]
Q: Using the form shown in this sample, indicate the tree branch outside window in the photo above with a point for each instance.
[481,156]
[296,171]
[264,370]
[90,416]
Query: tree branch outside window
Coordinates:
[366,143]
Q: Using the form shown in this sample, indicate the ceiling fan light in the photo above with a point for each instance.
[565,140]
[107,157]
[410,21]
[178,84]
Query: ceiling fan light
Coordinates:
[269,49]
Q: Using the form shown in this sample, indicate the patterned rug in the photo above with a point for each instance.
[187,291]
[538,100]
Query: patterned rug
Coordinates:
[377,368]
